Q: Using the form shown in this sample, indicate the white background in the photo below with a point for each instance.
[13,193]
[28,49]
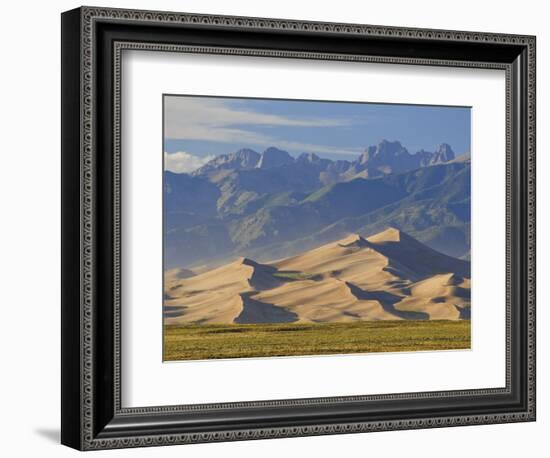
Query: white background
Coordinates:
[147,76]
[29,242]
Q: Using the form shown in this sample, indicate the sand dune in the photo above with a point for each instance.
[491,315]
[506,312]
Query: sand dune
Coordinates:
[255,311]
[415,258]
[389,276]
[442,297]
[351,259]
[327,300]
[215,296]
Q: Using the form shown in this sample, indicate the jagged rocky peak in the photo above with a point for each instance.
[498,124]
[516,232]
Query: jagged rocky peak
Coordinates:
[444,153]
[385,158]
[386,147]
[393,157]
[340,165]
[308,157]
[274,157]
[244,158]
[311,159]
[384,150]
[424,157]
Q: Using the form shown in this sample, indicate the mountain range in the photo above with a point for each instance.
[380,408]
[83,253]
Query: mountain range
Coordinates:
[388,276]
[382,159]
[272,205]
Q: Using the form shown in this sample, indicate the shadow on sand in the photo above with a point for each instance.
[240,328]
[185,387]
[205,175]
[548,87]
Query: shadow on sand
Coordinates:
[387,301]
[261,312]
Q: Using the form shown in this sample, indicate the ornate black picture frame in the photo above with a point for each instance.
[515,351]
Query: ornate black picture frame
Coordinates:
[92,42]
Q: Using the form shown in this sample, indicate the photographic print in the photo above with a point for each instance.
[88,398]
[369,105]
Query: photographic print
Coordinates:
[305,227]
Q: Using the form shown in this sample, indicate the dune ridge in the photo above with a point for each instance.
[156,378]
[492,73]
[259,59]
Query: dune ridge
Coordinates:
[388,276]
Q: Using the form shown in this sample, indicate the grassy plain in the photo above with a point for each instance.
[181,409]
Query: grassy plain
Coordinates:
[210,341]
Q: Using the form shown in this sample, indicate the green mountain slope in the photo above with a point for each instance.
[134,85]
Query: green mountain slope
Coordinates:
[273,212]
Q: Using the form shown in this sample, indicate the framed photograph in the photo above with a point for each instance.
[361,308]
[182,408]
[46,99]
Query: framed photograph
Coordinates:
[288,254]
[278,228]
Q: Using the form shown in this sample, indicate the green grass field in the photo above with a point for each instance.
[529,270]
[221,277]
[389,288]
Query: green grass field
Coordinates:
[259,340]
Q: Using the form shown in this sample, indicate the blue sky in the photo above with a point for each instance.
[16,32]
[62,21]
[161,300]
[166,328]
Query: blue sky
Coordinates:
[199,128]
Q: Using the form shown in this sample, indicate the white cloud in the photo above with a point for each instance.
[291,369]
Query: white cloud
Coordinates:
[189,116]
[215,120]
[182,162]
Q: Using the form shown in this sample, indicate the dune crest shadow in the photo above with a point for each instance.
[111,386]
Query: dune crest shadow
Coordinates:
[464,312]
[387,301]
[173,311]
[257,312]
